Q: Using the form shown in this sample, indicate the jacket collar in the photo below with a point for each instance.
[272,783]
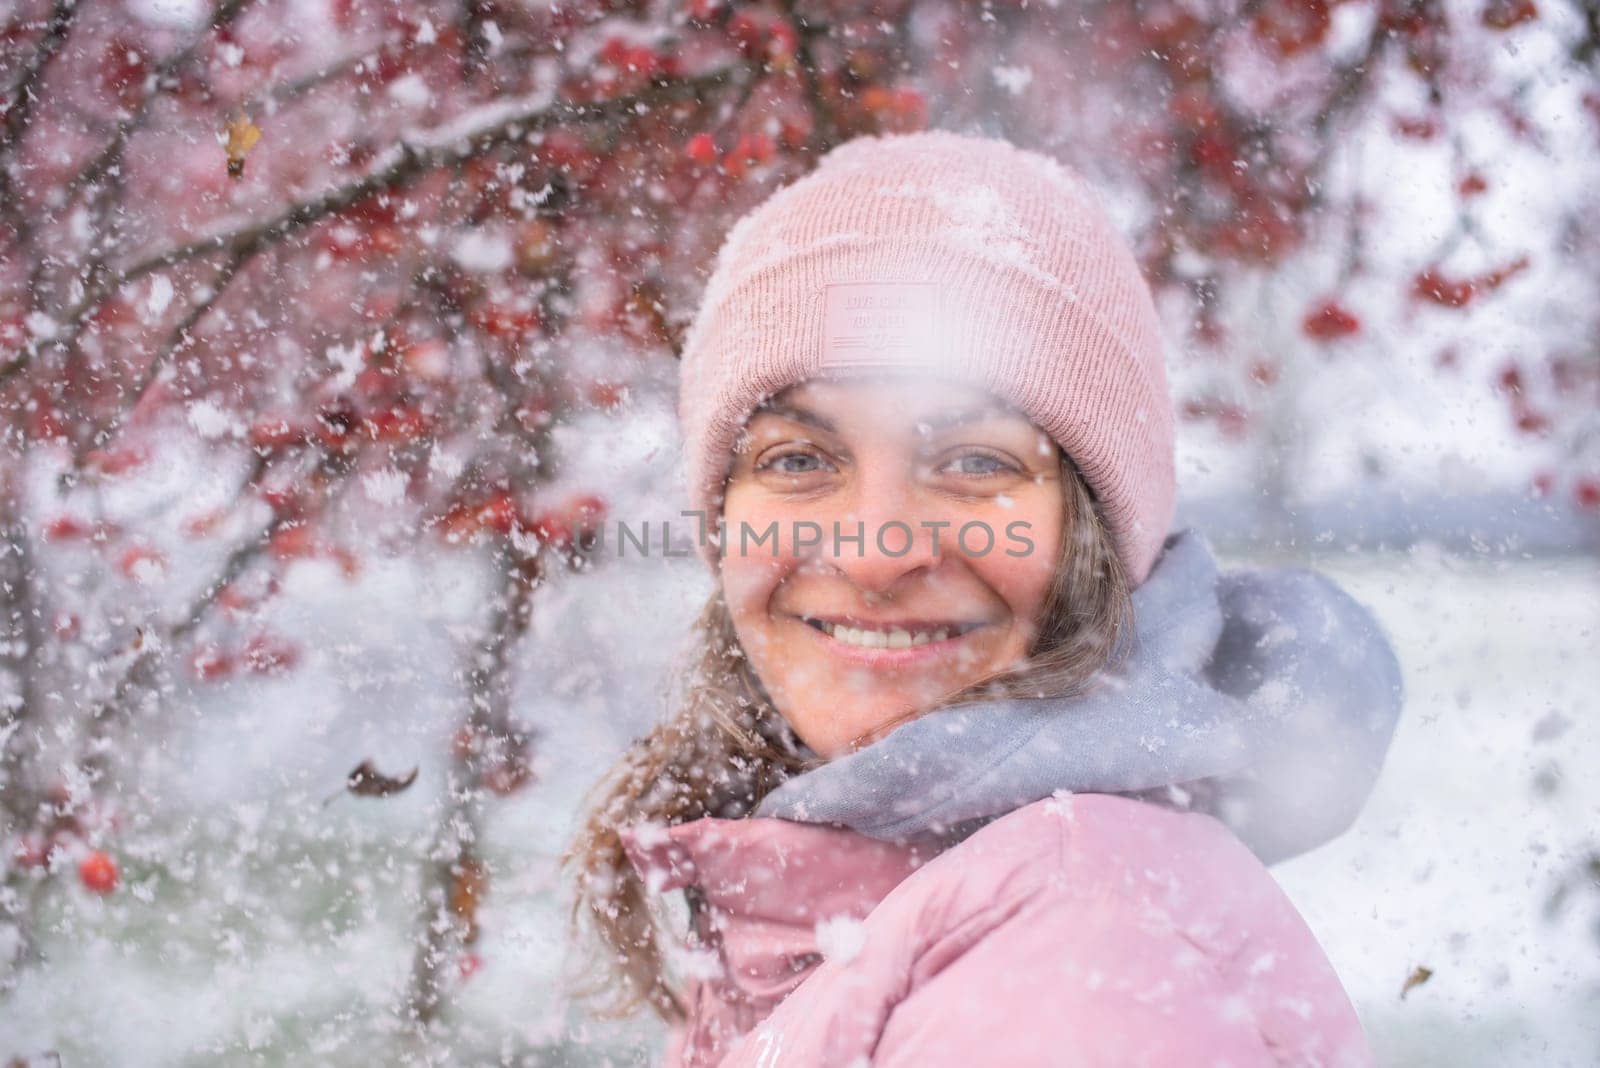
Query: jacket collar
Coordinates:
[773,869]
[774,893]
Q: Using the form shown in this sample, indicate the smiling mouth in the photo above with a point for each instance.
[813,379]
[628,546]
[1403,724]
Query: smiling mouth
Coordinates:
[902,637]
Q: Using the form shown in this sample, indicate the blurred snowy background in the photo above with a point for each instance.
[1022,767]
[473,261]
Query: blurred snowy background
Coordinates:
[303,436]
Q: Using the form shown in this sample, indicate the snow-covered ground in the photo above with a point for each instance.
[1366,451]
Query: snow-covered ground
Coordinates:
[258,927]
[1489,800]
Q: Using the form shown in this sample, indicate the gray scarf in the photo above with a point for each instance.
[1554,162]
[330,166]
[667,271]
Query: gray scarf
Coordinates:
[1265,697]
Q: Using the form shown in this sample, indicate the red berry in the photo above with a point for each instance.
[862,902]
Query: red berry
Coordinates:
[794,131]
[1450,292]
[910,109]
[1530,421]
[761,148]
[1587,492]
[64,528]
[1504,14]
[614,52]
[1329,321]
[644,60]
[210,661]
[503,320]
[782,44]
[198,526]
[98,872]
[1424,128]
[397,424]
[122,72]
[142,563]
[499,514]
[702,149]
[291,542]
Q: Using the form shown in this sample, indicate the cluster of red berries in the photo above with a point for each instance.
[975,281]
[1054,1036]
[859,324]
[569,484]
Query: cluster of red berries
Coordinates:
[750,150]
[572,522]
[70,831]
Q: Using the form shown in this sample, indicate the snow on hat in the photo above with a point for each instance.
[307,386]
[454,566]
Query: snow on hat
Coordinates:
[964,256]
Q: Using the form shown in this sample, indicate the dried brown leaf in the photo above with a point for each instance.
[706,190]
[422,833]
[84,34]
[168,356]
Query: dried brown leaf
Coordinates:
[469,881]
[1418,976]
[242,137]
[367,781]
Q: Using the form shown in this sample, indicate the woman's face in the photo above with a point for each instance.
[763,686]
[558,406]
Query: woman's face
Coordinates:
[851,636]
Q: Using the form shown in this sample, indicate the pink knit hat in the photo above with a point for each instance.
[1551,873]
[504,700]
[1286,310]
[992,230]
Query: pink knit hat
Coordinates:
[960,256]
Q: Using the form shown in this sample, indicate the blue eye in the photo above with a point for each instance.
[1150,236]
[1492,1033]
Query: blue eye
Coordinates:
[980,464]
[780,464]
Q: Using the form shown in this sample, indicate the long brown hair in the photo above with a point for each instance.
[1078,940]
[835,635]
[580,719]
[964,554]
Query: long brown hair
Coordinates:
[724,747]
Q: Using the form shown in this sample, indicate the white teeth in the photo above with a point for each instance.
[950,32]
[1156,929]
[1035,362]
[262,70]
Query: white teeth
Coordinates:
[879,639]
[867,639]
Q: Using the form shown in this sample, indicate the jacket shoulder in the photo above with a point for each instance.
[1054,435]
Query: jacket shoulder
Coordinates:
[1072,841]
[1133,932]
[1074,847]
[1108,923]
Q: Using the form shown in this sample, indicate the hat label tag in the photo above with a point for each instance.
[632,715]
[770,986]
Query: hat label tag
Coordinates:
[868,324]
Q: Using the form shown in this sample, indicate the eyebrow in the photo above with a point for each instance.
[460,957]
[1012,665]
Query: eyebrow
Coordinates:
[941,421]
[797,415]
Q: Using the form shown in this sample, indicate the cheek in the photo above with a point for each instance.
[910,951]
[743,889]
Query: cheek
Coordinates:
[1023,581]
[747,585]
[749,578]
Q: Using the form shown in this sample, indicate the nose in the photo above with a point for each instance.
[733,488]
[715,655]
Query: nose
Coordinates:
[898,537]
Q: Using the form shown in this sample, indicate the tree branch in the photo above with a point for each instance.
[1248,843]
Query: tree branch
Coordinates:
[108,156]
[21,111]
[825,128]
[410,161]
[24,95]
[138,674]
[407,162]
[1588,46]
[181,334]
[461,818]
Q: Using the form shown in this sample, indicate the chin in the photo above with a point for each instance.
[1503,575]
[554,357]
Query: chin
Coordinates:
[838,741]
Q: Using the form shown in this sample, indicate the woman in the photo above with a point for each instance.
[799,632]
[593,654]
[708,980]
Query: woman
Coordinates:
[976,765]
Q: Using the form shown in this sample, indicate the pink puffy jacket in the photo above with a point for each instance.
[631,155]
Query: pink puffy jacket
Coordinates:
[1084,929]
